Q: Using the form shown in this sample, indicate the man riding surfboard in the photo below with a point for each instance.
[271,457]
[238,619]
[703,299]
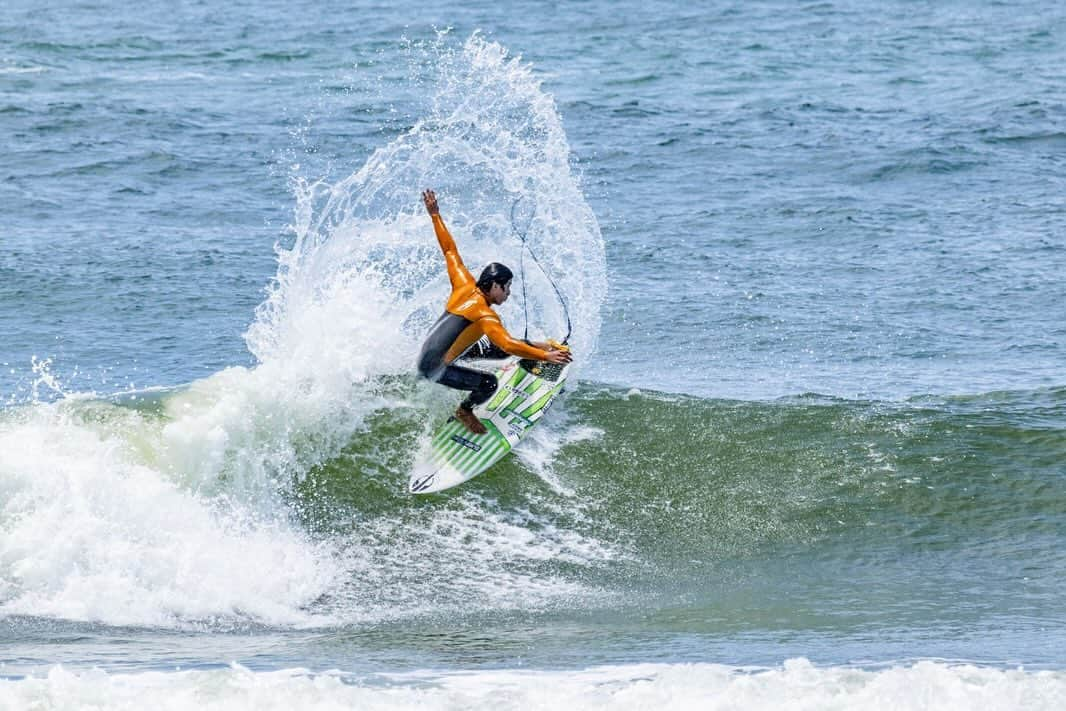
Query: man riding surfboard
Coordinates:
[468,316]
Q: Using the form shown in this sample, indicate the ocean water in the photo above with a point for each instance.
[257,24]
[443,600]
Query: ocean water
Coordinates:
[814,456]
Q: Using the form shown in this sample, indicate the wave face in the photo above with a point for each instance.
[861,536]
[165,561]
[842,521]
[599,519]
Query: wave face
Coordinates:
[187,507]
[833,514]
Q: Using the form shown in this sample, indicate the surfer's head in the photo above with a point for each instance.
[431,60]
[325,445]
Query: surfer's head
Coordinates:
[495,282]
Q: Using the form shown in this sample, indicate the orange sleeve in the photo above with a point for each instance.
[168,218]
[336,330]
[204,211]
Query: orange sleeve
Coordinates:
[458,274]
[499,336]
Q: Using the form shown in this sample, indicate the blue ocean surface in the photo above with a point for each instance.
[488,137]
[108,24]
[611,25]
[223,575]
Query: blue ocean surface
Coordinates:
[813,257]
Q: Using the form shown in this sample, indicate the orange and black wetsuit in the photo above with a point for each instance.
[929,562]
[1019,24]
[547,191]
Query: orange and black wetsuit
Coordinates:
[466,318]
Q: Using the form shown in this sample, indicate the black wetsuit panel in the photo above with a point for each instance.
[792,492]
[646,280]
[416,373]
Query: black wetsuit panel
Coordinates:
[440,339]
[431,362]
[484,349]
[480,384]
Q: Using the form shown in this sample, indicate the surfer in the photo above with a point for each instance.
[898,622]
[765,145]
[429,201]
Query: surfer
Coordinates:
[467,317]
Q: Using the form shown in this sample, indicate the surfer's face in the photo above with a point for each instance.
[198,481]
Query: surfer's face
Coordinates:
[498,294]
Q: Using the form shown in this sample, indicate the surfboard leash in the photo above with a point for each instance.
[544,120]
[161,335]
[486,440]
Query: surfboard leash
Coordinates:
[522,270]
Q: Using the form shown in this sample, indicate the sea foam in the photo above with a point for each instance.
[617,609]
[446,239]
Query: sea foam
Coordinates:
[796,685]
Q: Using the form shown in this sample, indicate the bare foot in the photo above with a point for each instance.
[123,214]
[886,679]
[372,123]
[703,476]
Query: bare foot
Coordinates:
[470,421]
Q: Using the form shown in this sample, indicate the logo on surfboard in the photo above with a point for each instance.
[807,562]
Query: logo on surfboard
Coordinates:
[466,443]
[422,483]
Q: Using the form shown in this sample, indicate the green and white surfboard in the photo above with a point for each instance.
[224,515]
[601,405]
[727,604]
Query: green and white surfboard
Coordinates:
[454,455]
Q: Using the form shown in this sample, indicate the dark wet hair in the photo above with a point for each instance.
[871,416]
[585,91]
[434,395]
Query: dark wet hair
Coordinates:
[494,273]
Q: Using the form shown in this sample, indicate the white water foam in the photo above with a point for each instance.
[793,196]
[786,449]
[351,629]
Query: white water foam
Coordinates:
[469,556]
[183,514]
[89,532]
[796,686]
[9,69]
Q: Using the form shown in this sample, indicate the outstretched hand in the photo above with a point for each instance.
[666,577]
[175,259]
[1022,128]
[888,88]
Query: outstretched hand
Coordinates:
[430,199]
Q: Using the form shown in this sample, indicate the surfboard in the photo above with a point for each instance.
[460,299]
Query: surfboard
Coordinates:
[455,455]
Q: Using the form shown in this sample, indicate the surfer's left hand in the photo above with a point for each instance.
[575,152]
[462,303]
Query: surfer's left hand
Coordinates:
[430,199]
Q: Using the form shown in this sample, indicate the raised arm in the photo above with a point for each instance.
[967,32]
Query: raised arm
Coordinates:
[458,274]
[444,237]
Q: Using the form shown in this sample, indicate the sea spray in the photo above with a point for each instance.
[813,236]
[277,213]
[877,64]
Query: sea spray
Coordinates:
[492,139]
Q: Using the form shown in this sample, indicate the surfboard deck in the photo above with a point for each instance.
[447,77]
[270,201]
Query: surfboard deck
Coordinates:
[455,455]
